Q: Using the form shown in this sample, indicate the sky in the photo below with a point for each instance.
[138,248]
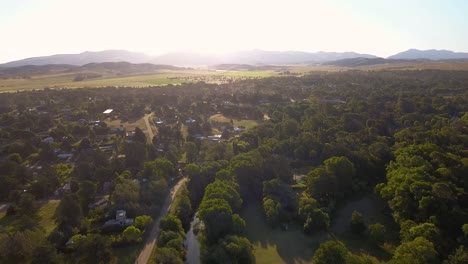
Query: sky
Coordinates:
[30,28]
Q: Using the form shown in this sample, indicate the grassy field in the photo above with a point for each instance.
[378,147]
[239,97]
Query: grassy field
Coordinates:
[128,125]
[45,213]
[163,77]
[243,122]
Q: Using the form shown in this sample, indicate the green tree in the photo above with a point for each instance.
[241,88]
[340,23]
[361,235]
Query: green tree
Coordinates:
[167,256]
[272,209]
[418,251]
[68,213]
[93,248]
[232,249]
[86,193]
[331,252]
[216,214]
[318,220]
[376,233]
[143,221]
[358,226]
[460,256]
[131,234]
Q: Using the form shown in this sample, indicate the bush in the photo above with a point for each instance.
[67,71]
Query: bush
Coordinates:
[376,233]
[358,226]
[11,210]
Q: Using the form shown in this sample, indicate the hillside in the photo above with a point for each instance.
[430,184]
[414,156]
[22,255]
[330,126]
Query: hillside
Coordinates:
[106,68]
[432,54]
[83,58]
[189,58]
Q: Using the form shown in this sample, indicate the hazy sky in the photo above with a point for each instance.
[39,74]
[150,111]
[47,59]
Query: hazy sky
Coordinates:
[44,27]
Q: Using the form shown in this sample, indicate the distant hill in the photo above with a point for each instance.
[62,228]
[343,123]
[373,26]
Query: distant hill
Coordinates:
[105,68]
[83,58]
[432,54]
[189,59]
[357,62]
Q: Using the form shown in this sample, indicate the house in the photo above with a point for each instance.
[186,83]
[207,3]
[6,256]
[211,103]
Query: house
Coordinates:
[120,219]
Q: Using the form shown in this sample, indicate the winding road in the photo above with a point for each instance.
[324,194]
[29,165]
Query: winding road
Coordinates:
[151,240]
[148,127]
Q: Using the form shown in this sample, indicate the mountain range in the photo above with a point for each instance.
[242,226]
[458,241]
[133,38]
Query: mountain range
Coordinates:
[252,57]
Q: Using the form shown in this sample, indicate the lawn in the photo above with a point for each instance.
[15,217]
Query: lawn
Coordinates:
[247,123]
[46,213]
[129,125]
[277,245]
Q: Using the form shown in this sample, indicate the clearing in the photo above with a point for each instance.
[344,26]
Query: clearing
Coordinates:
[46,216]
[247,123]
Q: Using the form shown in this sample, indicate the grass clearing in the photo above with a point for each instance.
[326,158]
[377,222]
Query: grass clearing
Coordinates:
[247,123]
[162,77]
[46,215]
[128,125]
[45,212]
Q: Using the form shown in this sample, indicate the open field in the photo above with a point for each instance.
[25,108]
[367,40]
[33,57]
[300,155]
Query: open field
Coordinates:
[247,123]
[46,213]
[165,77]
[162,77]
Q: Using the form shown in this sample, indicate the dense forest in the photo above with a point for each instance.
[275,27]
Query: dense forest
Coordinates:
[319,141]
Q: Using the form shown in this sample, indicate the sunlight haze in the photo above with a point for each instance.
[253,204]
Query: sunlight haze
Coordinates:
[36,28]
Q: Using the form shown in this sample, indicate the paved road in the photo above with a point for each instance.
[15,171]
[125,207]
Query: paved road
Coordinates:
[151,241]
[148,127]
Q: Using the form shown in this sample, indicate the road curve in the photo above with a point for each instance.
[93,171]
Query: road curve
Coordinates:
[151,240]
[148,127]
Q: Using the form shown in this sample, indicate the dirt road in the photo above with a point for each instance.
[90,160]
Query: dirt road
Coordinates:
[148,127]
[151,240]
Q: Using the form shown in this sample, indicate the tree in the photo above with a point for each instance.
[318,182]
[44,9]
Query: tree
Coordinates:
[272,210]
[318,220]
[167,256]
[86,193]
[331,252]
[460,256]
[131,234]
[344,171]
[27,205]
[224,190]
[358,226]
[376,233]
[306,207]
[418,251]
[68,213]
[232,249]
[216,214]
[93,248]
[143,221]
[139,136]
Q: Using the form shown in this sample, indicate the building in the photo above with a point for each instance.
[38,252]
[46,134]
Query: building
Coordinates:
[120,219]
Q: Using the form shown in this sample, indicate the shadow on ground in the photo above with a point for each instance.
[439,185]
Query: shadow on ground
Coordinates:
[290,246]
